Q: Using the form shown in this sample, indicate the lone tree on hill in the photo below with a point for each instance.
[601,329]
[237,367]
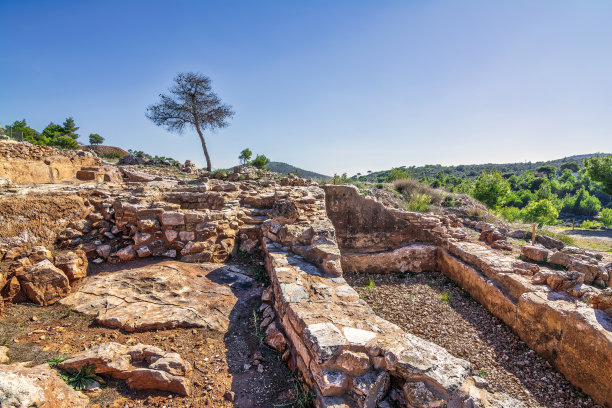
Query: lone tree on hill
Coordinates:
[95,139]
[191,102]
[245,156]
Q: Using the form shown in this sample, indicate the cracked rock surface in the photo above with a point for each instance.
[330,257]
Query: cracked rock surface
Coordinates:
[160,296]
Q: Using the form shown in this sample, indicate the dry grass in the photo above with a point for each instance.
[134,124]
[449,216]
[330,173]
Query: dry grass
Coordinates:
[411,187]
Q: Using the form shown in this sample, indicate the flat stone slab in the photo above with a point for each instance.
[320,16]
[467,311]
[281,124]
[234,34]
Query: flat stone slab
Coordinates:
[37,386]
[161,296]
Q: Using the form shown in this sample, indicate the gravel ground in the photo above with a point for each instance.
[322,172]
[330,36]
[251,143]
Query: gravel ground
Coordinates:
[432,307]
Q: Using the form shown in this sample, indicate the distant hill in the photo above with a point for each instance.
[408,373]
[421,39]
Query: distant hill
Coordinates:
[472,171]
[284,168]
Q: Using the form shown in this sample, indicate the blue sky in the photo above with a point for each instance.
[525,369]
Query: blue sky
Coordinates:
[329,86]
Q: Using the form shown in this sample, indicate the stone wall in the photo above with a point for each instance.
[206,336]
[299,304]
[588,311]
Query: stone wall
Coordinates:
[25,163]
[554,319]
[350,356]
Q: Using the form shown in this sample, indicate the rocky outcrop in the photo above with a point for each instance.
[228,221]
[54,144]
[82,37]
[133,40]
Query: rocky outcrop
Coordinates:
[161,296]
[143,367]
[37,386]
[25,163]
[578,259]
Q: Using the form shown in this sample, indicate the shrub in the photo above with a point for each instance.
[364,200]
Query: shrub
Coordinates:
[606,217]
[412,187]
[112,156]
[420,202]
[65,142]
[510,214]
[491,188]
[260,162]
[396,174]
[590,224]
[541,212]
[449,201]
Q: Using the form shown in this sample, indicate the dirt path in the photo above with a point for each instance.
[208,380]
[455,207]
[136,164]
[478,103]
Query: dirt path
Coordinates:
[432,307]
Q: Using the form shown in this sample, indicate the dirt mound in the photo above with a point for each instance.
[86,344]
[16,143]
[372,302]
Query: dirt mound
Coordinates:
[102,150]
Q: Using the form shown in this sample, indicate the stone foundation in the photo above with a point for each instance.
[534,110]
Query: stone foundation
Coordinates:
[558,325]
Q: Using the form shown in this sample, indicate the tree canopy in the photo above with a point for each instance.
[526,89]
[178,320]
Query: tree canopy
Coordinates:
[245,156]
[600,169]
[491,188]
[191,102]
[95,139]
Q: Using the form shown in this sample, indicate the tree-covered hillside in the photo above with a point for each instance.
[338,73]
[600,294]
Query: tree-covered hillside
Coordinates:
[284,168]
[473,171]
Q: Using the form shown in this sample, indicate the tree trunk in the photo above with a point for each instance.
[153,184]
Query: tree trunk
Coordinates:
[208,164]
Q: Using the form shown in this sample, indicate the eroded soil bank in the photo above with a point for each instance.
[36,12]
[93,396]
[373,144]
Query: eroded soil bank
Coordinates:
[433,307]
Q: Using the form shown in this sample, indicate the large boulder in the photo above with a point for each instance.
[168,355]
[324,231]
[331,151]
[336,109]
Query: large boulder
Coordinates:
[550,243]
[534,253]
[143,367]
[38,387]
[43,283]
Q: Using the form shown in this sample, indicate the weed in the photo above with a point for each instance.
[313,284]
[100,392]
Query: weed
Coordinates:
[483,373]
[68,313]
[445,297]
[21,327]
[304,397]
[242,254]
[258,333]
[375,309]
[370,284]
[260,275]
[55,361]
[80,379]
[5,341]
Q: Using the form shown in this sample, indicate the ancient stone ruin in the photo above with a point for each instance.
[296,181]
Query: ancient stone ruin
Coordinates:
[166,242]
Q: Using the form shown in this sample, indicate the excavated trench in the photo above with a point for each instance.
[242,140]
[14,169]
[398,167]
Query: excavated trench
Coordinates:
[422,273]
[433,307]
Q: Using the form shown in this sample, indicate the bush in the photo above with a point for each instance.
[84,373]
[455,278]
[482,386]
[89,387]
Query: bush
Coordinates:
[606,217]
[412,187]
[491,188]
[112,156]
[420,202]
[65,142]
[510,214]
[541,212]
[260,162]
[396,174]
[590,224]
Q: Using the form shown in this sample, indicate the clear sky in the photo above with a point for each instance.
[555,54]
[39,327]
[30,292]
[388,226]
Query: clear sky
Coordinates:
[329,86]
